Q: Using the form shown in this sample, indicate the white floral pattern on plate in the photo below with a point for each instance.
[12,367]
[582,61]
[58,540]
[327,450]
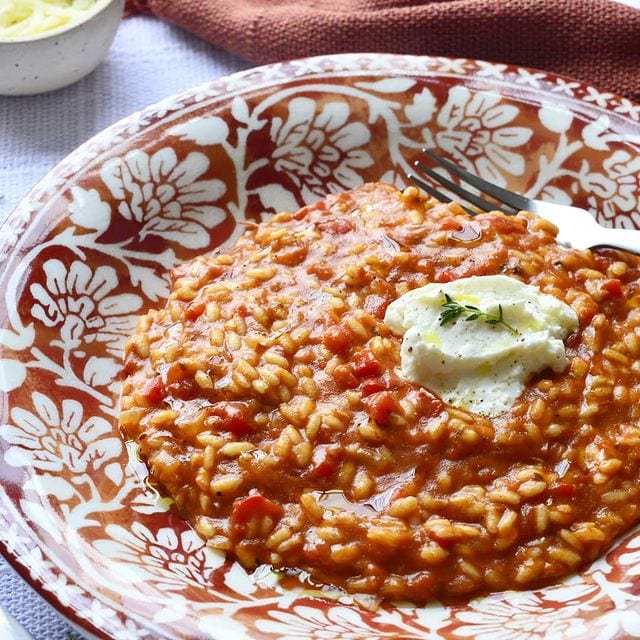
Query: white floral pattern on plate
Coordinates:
[165,196]
[76,301]
[478,132]
[91,246]
[320,148]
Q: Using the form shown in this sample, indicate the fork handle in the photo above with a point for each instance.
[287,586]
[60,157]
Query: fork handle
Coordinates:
[627,239]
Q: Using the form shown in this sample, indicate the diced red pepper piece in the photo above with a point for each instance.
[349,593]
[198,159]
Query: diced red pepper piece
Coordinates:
[338,338]
[236,417]
[321,269]
[508,224]
[211,271]
[449,224]
[613,287]
[563,490]
[243,310]
[428,404]
[324,462]
[344,376]
[130,366]
[373,385]
[154,390]
[380,406]
[253,506]
[173,373]
[376,305]
[292,255]
[365,364]
[194,310]
[336,226]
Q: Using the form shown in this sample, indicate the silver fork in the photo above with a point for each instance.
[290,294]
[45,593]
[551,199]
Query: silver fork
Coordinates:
[576,227]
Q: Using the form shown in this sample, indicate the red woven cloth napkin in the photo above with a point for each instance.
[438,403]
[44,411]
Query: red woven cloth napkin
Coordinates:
[596,41]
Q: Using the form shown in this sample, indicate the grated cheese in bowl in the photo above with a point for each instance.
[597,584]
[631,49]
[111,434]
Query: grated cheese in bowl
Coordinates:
[22,18]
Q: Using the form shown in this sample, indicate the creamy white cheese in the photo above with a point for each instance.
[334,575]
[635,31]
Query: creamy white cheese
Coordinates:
[475,365]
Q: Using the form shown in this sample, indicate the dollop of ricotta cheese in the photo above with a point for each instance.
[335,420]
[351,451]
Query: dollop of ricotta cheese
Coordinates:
[476,365]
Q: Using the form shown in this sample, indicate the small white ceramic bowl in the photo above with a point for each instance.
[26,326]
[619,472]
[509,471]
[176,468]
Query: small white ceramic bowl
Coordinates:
[57,58]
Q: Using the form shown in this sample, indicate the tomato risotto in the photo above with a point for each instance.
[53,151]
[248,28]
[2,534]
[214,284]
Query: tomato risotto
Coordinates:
[268,401]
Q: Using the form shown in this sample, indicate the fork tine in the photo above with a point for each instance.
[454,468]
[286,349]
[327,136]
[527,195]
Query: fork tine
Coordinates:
[438,195]
[460,191]
[518,202]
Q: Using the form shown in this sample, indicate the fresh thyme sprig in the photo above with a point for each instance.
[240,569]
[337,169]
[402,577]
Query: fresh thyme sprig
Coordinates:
[453,310]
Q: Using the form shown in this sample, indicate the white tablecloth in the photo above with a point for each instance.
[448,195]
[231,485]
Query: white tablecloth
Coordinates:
[148,61]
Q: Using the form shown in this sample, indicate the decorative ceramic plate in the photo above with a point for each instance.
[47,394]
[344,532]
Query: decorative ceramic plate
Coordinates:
[90,248]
